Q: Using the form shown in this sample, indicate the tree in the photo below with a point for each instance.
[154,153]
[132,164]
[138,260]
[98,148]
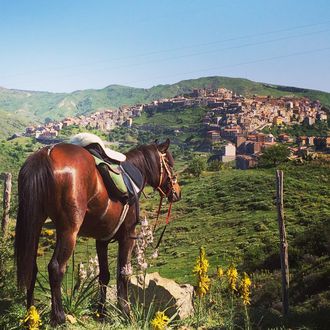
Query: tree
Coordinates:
[274,155]
[197,166]
[214,165]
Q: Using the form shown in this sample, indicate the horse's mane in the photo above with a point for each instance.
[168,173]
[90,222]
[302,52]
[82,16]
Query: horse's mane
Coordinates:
[146,159]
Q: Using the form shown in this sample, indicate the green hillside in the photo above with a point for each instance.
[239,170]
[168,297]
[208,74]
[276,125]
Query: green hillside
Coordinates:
[40,105]
[232,214]
[11,123]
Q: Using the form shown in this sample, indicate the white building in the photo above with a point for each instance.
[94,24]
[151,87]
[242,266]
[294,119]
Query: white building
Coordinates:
[229,153]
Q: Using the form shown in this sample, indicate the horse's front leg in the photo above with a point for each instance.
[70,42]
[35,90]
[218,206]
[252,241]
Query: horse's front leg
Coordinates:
[104,277]
[124,270]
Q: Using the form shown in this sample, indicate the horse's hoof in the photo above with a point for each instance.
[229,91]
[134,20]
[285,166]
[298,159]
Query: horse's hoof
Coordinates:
[101,318]
[101,314]
[125,308]
[57,319]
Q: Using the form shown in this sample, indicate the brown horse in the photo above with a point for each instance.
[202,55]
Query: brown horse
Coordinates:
[61,182]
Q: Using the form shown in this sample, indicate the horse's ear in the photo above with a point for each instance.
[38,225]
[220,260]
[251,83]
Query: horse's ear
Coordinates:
[156,142]
[164,146]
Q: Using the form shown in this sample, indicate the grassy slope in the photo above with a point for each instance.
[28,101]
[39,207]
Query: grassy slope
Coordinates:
[11,123]
[231,213]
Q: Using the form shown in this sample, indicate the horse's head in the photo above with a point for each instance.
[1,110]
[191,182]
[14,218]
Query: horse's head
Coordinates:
[168,184]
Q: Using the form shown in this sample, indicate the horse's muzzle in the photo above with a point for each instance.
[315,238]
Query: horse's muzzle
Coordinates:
[175,196]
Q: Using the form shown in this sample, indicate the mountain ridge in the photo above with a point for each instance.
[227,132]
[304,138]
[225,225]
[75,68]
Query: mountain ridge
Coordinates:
[36,106]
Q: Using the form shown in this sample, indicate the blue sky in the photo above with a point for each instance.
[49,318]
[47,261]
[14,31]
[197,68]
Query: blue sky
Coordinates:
[64,45]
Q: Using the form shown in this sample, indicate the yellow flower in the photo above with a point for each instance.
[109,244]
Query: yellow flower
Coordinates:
[49,232]
[160,321]
[232,275]
[219,271]
[245,289]
[32,319]
[200,269]
[202,263]
[203,285]
[40,252]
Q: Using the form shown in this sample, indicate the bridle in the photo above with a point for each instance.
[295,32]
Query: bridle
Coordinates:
[164,167]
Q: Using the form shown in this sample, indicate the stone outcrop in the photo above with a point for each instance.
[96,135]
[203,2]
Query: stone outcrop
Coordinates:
[163,293]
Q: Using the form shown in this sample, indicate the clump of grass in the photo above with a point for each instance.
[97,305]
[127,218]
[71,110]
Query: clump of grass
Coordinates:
[79,289]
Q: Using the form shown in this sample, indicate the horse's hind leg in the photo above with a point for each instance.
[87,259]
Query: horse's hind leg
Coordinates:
[29,294]
[65,244]
[104,277]
[30,289]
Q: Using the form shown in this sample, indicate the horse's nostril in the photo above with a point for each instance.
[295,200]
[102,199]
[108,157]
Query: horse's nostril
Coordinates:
[176,196]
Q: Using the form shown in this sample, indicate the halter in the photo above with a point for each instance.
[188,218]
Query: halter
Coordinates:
[172,178]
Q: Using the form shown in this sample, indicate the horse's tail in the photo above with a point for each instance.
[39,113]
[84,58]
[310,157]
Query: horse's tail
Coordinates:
[35,187]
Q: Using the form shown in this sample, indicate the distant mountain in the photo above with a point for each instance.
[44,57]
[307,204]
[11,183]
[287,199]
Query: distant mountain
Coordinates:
[37,106]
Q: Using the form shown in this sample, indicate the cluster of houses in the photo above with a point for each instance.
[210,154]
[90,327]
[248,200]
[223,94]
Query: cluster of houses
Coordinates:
[103,121]
[239,121]
[231,118]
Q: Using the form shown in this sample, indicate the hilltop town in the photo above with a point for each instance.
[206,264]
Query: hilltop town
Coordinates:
[232,118]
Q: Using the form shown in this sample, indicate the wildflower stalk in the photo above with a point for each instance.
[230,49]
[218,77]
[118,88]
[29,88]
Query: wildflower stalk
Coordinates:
[247,318]
[144,239]
[144,292]
[203,281]
[245,289]
[198,311]
[200,269]
[231,319]
[245,295]
[232,276]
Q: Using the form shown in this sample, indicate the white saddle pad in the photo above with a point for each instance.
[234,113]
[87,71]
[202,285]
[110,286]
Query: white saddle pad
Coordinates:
[84,139]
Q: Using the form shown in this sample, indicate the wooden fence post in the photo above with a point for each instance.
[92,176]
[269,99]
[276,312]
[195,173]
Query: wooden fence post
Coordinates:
[283,242]
[6,202]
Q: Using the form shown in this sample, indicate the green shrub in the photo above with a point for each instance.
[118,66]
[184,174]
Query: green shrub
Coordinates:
[274,155]
[10,299]
[197,166]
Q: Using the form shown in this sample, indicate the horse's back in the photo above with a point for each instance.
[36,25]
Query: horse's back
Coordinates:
[65,154]
[76,177]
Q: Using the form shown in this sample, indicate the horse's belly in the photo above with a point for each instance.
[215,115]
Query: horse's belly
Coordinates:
[101,223]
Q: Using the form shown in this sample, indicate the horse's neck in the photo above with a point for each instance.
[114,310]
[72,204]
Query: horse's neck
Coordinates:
[148,170]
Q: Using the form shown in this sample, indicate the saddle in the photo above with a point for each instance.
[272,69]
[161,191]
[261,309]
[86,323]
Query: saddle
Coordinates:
[123,181]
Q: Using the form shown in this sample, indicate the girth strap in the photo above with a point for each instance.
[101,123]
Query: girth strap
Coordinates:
[121,220]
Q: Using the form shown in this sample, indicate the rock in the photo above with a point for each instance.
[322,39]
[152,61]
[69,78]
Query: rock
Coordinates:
[71,319]
[165,294]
